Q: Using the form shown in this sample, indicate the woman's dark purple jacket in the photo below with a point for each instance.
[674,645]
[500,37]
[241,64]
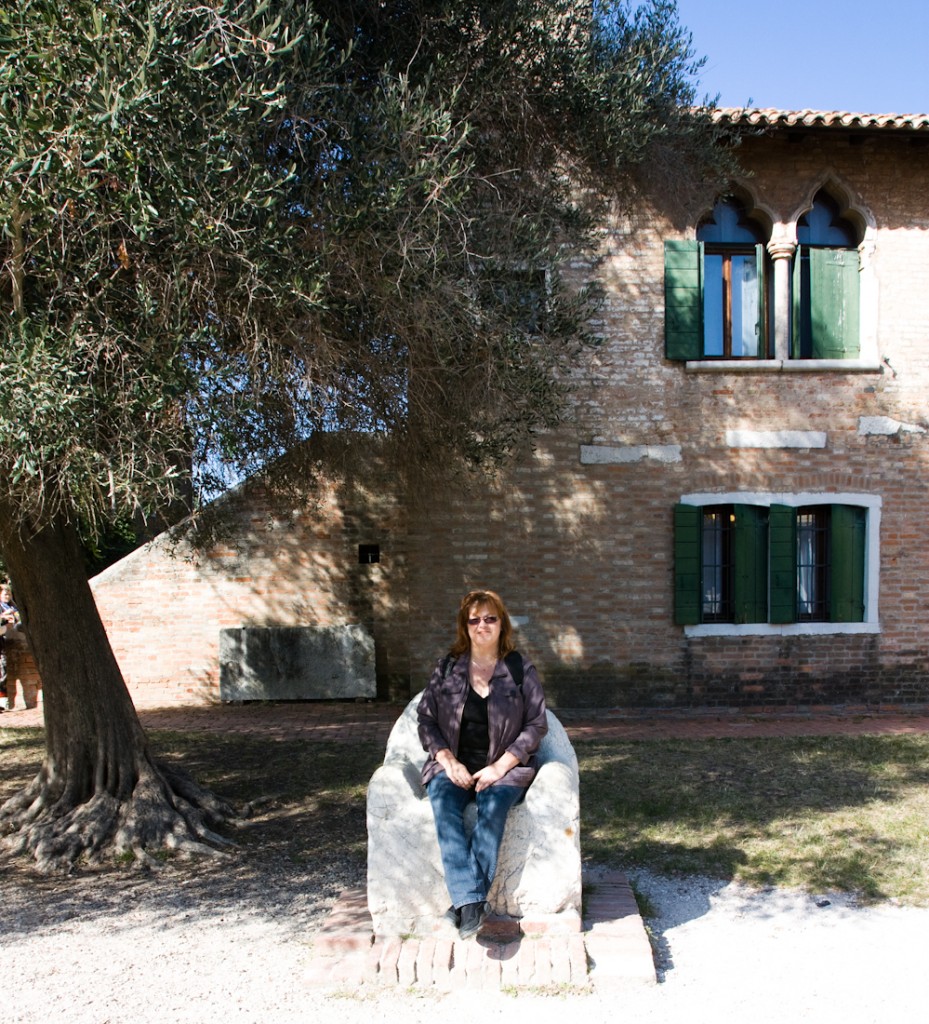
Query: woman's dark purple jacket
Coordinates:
[515,717]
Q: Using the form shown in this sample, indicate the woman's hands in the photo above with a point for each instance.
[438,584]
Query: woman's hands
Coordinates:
[494,772]
[454,769]
[482,778]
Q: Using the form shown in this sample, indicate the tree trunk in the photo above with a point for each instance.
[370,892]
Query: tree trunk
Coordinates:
[98,793]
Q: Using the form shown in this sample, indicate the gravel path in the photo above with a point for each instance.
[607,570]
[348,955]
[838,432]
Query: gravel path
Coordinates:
[730,953]
[212,945]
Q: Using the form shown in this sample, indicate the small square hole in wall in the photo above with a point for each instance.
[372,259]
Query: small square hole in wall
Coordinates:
[368,554]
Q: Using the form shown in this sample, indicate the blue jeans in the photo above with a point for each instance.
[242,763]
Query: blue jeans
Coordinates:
[470,862]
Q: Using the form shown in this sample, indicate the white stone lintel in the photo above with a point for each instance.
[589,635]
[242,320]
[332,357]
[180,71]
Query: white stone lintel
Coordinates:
[776,439]
[886,426]
[598,455]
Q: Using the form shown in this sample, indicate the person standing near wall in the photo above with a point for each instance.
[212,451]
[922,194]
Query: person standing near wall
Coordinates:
[9,619]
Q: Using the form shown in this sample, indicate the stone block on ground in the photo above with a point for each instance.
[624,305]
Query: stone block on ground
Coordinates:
[296,663]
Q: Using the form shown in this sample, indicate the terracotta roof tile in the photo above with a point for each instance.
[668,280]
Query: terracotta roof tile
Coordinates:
[771,117]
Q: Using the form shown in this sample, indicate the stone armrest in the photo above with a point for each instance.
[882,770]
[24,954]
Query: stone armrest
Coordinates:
[396,781]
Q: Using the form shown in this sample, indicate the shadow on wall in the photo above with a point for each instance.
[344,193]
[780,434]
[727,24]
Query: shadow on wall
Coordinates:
[607,685]
[581,553]
[265,560]
[332,557]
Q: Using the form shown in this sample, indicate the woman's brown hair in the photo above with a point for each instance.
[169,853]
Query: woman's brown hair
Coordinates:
[462,642]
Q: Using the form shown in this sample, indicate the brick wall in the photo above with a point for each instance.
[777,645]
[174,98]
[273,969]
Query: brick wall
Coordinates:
[165,604]
[582,549]
[583,553]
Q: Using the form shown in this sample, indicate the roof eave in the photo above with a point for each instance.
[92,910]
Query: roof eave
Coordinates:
[769,117]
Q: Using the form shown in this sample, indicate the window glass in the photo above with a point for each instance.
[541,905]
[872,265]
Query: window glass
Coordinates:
[733,310]
[728,225]
[716,558]
[822,225]
[813,564]
[745,306]
[714,300]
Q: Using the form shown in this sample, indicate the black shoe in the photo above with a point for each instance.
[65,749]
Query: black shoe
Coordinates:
[453,915]
[472,917]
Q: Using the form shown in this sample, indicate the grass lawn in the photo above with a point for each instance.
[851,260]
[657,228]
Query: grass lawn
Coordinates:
[845,813]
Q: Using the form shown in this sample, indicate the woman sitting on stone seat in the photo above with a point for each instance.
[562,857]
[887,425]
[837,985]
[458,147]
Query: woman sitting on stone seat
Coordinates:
[481,719]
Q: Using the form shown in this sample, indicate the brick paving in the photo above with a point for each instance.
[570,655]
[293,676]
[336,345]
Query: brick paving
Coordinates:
[613,948]
[507,954]
[354,721]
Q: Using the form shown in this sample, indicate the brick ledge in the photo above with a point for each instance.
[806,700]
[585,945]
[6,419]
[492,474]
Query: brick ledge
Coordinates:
[613,949]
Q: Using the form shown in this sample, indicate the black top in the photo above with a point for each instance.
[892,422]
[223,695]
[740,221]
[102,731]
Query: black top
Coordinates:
[474,742]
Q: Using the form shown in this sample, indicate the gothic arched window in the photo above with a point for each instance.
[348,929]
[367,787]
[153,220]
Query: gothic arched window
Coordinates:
[825,289]
[715,290]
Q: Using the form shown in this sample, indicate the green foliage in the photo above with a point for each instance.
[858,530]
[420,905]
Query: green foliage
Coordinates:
[116,539]
[133,142]
[227,224]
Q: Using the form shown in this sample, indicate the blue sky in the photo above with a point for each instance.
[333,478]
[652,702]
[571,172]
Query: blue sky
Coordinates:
[866,56]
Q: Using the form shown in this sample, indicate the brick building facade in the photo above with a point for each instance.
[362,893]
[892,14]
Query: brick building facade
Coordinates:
[734,513]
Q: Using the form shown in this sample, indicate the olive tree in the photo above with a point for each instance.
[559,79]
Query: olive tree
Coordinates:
[230,224]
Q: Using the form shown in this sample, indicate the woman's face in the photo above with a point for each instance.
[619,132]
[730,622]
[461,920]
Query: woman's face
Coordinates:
[484,635]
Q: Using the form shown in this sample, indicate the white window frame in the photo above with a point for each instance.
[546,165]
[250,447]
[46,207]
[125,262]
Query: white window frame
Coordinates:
[872,502]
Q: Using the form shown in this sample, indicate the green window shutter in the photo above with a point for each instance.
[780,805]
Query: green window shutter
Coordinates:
[796,317]
[762,290]
[687,564]
[834,303]
[782,530]
[846,560]
[683,300]
[750,557]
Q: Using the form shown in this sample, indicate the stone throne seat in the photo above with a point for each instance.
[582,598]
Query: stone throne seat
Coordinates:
[538,877]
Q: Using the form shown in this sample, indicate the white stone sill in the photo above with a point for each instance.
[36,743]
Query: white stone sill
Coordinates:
[782,366]
[792,629]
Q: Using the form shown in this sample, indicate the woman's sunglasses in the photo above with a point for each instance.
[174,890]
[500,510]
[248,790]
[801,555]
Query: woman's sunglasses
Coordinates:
[489,620]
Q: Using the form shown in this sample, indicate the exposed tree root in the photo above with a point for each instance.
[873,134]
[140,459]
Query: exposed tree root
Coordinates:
[165,810]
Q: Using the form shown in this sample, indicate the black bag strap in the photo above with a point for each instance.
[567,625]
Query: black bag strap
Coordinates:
[513,661]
